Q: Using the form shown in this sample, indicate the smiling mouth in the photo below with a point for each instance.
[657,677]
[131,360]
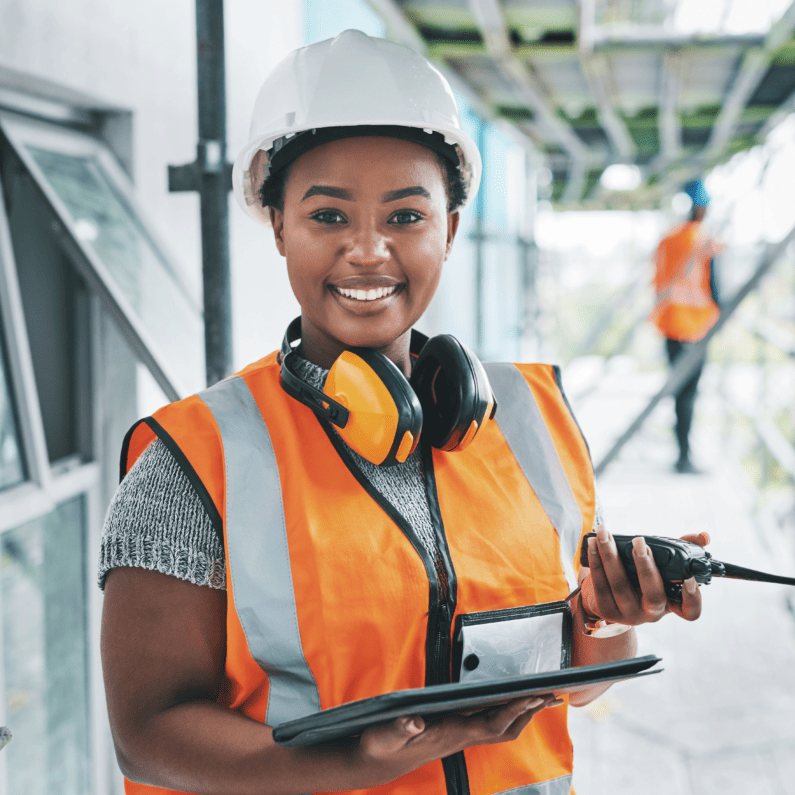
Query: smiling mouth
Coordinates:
[366,295]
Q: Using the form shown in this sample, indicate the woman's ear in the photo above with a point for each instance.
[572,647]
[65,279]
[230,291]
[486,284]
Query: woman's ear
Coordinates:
[452,228]
[277,222]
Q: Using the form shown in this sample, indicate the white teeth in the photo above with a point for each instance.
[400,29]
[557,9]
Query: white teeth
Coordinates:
[367,295]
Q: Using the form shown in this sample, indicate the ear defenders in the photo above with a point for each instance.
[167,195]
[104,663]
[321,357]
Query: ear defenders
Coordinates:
[380,414]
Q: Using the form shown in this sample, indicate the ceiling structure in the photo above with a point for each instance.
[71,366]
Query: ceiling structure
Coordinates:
[597,82]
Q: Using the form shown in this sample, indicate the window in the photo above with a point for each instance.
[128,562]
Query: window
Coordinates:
[56,310]
[92,316]
[45,653]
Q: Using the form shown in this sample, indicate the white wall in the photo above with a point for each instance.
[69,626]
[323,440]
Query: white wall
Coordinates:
[142,56]
[258,36]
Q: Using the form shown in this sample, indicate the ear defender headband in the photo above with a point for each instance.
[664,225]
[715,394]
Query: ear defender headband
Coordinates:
[380,414]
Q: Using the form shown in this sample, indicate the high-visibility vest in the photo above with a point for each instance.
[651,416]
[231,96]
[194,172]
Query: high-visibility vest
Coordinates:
[685,309]
[331,595]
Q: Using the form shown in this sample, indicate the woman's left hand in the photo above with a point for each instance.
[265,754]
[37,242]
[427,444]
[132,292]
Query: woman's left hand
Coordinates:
[608,593]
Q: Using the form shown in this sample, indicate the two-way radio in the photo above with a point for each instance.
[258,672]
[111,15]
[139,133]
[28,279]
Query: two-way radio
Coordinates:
[678,560]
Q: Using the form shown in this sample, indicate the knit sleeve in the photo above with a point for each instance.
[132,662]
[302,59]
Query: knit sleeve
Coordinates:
[156,521]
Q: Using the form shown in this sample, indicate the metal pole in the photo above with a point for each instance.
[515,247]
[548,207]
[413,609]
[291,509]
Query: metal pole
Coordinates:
[529,260]
[480,212]
[211,176]
[761,354]
[214,189]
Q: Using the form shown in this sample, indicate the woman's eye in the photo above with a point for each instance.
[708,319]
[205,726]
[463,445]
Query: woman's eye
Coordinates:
[329,217]
[404,217]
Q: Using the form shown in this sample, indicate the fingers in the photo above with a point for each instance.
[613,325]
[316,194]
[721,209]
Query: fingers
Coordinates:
[690,609]
[598,599]
[383,742]
[506,731]
[612,588]
[496,722]
[386,752]
[607,591]
[654,599]
[508,722]
[702,539]
[409,742]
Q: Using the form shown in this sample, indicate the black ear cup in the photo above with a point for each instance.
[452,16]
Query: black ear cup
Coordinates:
[454,392]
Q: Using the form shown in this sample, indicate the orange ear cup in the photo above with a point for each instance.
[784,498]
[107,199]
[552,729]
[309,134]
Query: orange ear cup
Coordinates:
[384,422]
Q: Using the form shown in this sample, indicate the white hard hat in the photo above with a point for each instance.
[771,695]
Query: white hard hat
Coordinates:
[351,80]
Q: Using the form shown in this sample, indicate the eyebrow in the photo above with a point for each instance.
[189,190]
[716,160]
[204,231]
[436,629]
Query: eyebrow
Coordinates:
[341,193]
[328,190]
[415,190]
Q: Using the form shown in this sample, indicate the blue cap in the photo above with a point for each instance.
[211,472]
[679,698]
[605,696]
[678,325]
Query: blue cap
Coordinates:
[697,192]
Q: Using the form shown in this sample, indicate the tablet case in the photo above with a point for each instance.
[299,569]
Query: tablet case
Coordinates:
[350,720]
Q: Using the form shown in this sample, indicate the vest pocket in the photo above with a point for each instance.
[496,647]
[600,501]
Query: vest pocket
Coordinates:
[516,641]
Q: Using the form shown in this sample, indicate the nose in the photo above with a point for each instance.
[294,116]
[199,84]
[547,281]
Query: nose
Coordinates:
[368,247]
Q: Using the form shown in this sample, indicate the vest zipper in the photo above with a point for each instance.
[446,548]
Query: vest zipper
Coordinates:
[439,672]
[441,608]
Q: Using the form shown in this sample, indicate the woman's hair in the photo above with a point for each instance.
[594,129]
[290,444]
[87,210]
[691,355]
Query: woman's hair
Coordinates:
[272,191]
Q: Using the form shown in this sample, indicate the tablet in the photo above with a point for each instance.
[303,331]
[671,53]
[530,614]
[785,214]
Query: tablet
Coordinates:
[350,720]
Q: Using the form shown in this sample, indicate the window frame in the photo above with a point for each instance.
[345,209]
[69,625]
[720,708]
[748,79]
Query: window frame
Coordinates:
[17,133]
[20,370]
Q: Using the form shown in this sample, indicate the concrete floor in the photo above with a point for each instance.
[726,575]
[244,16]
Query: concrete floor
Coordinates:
[721,717]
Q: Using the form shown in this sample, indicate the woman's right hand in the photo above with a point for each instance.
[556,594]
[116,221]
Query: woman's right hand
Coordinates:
[396,748]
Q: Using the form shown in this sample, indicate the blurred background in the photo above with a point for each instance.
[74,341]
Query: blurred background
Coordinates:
[118,238]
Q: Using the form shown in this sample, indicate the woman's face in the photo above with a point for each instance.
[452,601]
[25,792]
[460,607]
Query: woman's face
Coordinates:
[365,231]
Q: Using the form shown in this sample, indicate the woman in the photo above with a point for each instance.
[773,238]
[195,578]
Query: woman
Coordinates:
[346,550]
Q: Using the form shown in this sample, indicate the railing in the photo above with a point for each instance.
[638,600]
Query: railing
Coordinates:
[771,456]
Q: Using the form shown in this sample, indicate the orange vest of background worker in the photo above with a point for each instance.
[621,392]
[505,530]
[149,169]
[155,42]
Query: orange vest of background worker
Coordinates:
[332,597]
[686,307]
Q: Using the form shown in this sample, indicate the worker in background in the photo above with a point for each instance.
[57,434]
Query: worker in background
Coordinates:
[687,304]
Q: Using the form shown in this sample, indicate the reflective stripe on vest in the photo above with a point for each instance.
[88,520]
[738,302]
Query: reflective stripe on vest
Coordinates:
[257,535]
[557,786]
[523,427]
[686,286]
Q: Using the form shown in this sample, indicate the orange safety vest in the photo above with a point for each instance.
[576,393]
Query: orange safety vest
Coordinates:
[331,595]
[685,309]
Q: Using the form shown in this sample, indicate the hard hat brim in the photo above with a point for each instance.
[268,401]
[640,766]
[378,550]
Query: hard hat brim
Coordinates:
[246,190]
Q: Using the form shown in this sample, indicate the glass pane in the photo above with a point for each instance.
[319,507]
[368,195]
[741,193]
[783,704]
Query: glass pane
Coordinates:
[45,656]
[104,222]
[502,302]
[12,470]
